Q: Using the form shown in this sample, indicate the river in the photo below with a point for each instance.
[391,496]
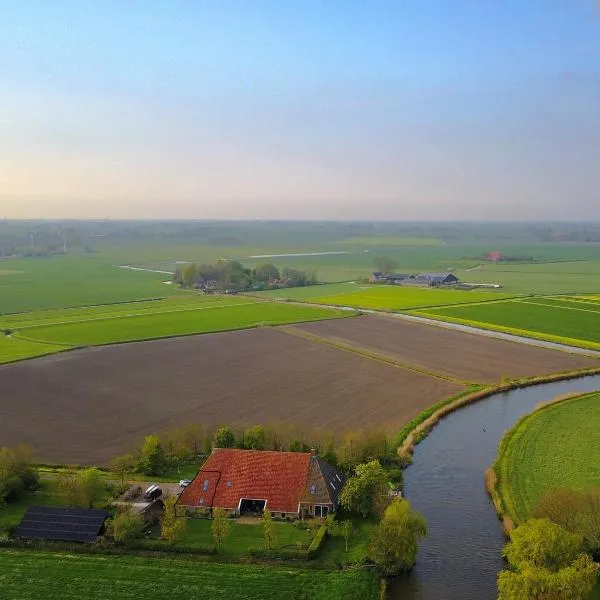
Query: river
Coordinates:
[461,557]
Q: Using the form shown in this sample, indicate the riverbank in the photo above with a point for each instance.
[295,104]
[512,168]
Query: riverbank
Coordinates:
[557,445]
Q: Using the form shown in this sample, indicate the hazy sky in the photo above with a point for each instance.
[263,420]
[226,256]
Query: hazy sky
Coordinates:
[401,109]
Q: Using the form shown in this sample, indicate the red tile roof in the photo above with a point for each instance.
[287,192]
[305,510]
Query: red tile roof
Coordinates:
[230,474]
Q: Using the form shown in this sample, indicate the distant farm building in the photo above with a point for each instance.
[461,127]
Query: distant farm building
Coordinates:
[289,484]
[64,524]
[494,256]
[378,277]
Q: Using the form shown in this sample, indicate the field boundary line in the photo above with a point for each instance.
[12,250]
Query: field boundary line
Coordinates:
[382,358]
[558,306]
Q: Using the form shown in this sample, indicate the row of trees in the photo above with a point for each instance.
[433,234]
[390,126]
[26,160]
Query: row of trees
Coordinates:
[231,274]
[163,452]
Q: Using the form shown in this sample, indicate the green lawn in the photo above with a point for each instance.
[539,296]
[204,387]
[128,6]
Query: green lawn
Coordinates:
[554,320]
[557,445]
[205,319]
[242,536]
[334,551]
[31,575]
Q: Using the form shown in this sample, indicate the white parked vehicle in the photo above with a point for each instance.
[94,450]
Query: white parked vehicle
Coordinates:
[185,482]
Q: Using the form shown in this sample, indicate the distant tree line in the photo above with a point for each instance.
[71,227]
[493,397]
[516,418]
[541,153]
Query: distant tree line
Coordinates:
[232,275]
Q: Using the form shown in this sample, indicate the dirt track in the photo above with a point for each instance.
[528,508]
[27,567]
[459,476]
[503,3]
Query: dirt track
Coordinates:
[466,356]
[89,405]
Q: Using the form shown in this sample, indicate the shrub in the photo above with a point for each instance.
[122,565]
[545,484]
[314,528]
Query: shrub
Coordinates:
[317,542]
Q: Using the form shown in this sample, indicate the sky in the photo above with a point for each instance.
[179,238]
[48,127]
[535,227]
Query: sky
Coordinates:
[320,109]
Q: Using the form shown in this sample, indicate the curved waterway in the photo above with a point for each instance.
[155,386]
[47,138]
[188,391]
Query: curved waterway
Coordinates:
[461,557]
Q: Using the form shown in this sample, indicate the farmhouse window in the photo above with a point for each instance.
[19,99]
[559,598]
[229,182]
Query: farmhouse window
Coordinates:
[205,486]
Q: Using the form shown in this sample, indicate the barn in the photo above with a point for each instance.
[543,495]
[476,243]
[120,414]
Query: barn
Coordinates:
[246,482]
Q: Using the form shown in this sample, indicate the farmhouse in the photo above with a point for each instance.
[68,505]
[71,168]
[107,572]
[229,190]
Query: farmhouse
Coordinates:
[378,277]
[436,279]
[289,484]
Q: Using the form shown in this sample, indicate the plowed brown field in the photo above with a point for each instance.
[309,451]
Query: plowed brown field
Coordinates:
[466,356]
[89,405]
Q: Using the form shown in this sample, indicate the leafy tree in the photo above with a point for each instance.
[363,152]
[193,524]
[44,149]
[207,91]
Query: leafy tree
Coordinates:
[576,511]
[152,456]
[224,438]
[269,532]
[541,543]
[124,527]
[329,453]
[266,272]
[207,446]
[254,438]
[17,474]
[83,488]
[188,274]
[121,465]
[385,265]
[361,447]
[394,543]
[219,527]
[547,563]
[345,528]
[366,491]
[172,527]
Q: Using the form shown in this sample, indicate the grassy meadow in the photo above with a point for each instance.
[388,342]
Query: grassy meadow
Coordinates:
[562,320]
[29,575]
[167,320]
[384,297]
[557,445]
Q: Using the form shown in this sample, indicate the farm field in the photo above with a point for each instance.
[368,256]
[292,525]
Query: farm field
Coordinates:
[557,445]
[554,319]
[465,356]
[28,575]
[89,405]
[13,348]
[387,297]
[209,317]
[74,280]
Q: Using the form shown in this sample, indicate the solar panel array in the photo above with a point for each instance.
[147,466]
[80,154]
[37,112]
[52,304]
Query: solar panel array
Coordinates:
[67,524]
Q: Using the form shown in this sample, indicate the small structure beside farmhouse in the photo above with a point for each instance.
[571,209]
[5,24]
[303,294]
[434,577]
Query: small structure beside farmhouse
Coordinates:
[420,280]
[289,484]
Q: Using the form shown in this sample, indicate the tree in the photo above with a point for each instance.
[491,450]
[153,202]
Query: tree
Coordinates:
[366,491]
[254,438]
[152,456]
[224,438]
[547,563]
[121,465]
[346,530]
[194,435]
[577,512]
[219,527]
[172,527]
[17,474]
[394,543]
[124,527]
[266,272]
[385,265]
[269,532]
[83,488]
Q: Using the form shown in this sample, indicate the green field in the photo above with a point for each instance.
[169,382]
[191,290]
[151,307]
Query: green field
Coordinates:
[385,297]
[13,348]
[206,319]
[555,446]
[29,575]
[553,319]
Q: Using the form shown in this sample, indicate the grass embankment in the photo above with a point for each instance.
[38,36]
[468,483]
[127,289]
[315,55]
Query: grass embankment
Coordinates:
[45,332]
[557,445]
[561,320]
[29,575]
